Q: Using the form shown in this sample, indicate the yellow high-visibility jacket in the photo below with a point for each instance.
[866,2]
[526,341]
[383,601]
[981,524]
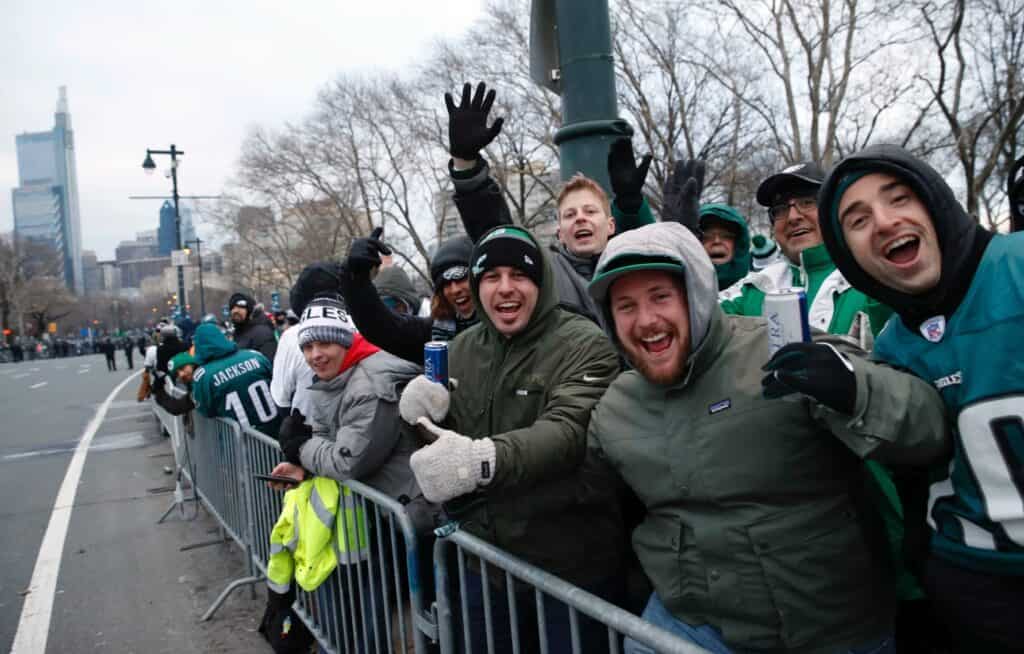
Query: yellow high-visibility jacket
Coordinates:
[308,541]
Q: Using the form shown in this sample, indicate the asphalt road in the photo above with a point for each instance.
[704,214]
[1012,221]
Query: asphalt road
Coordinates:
[124,584]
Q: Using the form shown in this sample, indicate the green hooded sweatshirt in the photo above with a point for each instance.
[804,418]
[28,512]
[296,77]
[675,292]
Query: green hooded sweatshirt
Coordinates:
[233,383]
[733,271]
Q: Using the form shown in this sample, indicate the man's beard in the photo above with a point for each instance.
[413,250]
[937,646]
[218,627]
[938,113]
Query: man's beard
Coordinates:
[661,377]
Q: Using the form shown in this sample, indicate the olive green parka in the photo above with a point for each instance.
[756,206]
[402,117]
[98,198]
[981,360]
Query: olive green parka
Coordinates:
[532,395]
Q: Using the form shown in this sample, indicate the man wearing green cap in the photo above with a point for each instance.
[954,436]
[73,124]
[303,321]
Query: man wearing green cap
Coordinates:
[509,456]
[175,400]
[754,537]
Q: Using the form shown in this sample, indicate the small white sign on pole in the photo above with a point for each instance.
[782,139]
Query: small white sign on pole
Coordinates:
[179,257]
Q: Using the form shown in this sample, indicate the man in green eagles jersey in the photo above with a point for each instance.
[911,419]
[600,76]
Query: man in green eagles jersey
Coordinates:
[233,383]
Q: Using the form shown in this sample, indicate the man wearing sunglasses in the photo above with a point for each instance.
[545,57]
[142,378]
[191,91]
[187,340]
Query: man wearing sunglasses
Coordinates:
[833,305]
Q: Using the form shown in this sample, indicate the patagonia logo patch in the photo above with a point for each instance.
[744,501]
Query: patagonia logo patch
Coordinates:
[719,406]
[949,380]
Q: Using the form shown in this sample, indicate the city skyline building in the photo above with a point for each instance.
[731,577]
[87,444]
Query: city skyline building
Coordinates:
[165,232]
[45,203]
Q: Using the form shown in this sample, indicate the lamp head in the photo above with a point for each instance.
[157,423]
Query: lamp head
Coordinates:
[148,165]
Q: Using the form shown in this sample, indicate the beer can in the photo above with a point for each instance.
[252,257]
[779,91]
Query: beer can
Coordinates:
[435,362]
[786,313]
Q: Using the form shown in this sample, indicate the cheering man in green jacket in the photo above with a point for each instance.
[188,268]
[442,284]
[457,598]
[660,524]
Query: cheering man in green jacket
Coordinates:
[510,458]
[754,538]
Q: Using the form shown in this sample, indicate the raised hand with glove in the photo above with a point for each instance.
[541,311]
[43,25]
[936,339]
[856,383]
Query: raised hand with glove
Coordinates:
[681,195]
[626,176]
[423,398]
[364,254]
[468,132]
[452,465]
[817,370]
[293,434]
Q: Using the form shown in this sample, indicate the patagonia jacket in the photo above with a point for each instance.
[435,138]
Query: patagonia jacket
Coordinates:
[308,540]
[755,518]
[532,395]
[833,304]
[358,434]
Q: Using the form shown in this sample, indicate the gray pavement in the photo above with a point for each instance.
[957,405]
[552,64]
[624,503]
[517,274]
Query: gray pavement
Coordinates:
[124,583]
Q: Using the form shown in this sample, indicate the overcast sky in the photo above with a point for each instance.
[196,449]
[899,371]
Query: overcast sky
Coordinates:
[196,74]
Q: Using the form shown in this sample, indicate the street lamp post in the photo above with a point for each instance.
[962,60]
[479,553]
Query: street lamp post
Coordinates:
[149,167]
[199,259]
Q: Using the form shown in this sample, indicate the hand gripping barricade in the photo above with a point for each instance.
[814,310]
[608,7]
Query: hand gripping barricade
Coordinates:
[375,597]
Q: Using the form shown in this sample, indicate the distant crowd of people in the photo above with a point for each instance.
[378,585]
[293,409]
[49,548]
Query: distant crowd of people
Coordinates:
[615,411]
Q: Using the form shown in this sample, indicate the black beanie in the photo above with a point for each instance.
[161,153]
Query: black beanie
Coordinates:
[241,300]
[316,278]
[508,246]
[451,261]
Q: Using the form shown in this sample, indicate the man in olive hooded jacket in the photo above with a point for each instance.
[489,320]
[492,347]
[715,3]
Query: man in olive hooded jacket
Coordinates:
[511,460]
[754,538]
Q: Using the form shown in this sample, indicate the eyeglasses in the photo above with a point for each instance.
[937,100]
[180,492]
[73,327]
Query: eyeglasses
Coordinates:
[802,205]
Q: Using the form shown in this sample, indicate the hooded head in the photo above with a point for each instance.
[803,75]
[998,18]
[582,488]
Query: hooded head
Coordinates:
[392,282]
[716,221]
[657,289]
[895,230]
[240,307]
[211,344]
[511,280]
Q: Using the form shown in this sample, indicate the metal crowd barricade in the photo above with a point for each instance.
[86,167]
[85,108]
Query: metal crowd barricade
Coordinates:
[379,601]
[179,433]
[545,587]
[374,602]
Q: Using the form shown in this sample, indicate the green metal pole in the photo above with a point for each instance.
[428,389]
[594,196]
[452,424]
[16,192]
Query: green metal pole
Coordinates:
[590,115]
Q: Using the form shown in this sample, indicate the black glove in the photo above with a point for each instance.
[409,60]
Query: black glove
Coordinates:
[468,132]
[627,178]
[681,197]
[364,253]
[292,435]
[817,370]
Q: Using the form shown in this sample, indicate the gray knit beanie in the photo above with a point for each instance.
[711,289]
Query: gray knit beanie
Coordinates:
[326,320]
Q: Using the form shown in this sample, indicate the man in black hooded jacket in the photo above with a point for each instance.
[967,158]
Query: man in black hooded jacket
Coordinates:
[895,230]
[252,329]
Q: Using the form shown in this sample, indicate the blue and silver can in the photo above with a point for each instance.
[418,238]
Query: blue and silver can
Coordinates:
[786,313]
[435,362]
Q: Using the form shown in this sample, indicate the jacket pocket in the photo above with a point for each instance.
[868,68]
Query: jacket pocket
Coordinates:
[822,581]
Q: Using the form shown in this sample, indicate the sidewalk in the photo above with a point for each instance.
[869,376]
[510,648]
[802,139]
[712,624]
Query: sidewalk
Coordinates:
[125,583]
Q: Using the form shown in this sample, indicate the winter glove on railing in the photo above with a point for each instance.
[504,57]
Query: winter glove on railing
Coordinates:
[453,465]
[364,254]
[681,197]
[626,177]
[424,398]
[816,370]
[292,435]
[468,132]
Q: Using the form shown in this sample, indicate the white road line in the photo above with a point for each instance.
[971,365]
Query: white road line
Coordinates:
[24,374]
[34,369]
[34,625]
[83,371]
[39,385]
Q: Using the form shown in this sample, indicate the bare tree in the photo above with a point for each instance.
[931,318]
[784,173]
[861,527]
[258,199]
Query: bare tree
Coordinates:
[976,83]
